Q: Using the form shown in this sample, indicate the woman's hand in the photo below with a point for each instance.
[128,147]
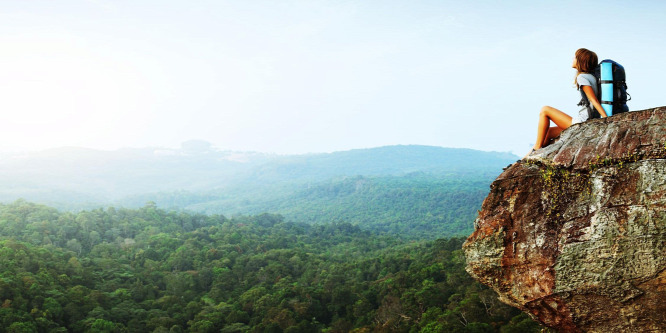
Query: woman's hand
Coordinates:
[589,92]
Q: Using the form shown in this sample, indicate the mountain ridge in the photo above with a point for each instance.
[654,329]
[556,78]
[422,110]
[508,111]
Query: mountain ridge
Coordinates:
[117,174]
[446,184]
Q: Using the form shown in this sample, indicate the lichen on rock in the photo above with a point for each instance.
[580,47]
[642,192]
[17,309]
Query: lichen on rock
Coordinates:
[575,234]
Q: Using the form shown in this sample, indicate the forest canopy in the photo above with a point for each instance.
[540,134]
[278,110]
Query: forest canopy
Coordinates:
[151,270]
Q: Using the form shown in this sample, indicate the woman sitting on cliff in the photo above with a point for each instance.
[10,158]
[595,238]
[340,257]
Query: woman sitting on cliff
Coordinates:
[585,61]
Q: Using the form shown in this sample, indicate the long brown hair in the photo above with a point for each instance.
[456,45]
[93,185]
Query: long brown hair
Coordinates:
[586,62]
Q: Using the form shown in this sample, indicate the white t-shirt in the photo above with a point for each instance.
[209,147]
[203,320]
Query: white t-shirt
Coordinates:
[585,79]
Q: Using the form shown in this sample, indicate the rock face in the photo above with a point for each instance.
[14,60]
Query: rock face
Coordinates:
[575,234]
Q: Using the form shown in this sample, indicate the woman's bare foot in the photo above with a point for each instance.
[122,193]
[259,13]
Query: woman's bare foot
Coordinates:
[529,153]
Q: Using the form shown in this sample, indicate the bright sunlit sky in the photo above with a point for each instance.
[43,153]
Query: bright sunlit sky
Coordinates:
[305,76]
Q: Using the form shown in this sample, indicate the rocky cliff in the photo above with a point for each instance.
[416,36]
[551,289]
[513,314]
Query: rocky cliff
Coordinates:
[575,234]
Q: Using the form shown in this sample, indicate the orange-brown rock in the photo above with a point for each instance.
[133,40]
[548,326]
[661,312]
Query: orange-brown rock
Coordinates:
[575,234]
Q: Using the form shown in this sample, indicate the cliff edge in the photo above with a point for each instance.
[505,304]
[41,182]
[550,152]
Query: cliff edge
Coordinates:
[575,234]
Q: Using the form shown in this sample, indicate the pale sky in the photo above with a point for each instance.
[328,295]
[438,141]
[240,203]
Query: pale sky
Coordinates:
[305,76]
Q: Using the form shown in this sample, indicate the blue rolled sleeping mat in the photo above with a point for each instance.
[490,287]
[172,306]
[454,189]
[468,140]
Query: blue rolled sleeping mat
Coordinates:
[607,87]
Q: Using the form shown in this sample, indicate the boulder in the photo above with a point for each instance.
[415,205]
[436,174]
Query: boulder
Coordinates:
[575,234]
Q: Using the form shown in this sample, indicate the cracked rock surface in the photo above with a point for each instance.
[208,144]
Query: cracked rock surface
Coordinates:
[575,234]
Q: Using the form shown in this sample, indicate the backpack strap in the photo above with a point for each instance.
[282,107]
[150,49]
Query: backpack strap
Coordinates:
[591,111]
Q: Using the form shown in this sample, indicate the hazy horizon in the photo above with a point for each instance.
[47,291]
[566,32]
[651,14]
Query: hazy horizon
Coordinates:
[221,149]
[298,77]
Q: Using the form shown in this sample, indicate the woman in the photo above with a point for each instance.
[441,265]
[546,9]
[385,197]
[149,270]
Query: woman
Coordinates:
[585,61]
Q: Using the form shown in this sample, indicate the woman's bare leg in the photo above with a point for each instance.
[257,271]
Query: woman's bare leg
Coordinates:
[552,133]
[561,120]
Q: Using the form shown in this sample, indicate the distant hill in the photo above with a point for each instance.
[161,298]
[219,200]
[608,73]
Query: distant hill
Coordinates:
[376,187]
[383,161]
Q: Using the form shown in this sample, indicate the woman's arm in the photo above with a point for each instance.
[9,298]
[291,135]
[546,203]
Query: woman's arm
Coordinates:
[593,100]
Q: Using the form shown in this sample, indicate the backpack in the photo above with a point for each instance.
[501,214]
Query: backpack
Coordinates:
[612,88]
